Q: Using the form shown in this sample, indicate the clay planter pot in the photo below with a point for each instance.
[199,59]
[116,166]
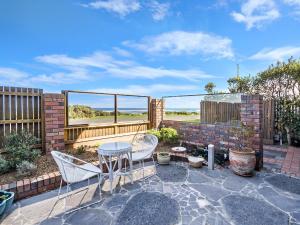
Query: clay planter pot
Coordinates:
[242,163]
[163,158]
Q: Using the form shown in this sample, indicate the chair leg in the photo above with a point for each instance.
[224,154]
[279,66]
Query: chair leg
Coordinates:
[59,190]
[99,185]
[154,165]
[66,197]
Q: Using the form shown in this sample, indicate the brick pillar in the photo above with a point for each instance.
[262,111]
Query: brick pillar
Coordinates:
[54,113]
[157,110]
[252,114]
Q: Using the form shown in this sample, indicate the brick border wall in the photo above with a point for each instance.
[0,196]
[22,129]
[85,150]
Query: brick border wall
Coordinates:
[33,186]
[54,116]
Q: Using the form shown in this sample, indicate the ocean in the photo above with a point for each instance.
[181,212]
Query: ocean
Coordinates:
[141,110]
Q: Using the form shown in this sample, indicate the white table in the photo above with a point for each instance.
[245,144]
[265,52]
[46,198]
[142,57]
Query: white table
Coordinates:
[107,151]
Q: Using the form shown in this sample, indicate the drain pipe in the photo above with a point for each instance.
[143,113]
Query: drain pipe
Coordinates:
[211,156]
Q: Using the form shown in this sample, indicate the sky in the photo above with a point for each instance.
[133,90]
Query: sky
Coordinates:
[152,47]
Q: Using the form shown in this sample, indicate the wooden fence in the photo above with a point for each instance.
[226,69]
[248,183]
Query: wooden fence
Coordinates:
[21,109]
[82,133]
[268,121]
[212,112]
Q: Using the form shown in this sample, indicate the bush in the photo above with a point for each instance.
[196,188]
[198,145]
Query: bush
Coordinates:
[155,133]
[26,168]
[4,165]
[167,135]
[19,148]
[81,149]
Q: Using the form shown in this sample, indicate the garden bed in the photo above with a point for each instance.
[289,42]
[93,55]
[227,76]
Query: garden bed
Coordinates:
[45,164]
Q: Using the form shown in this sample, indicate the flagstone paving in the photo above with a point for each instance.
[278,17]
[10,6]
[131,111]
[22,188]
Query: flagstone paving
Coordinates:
[178,194]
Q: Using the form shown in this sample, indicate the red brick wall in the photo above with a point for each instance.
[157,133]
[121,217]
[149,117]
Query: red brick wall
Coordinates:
[218,134]
[54,115]
[157,107]
[252,114]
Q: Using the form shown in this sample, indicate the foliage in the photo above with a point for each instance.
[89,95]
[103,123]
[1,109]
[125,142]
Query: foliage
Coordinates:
[81,149]
[20,147]
[83,111]
[4,165]
[240,84]
[155,133]
[209,87]
[280,81]
[169,135]
[4,196]
[26,168]
[183,113]
[289,120]
[242,135]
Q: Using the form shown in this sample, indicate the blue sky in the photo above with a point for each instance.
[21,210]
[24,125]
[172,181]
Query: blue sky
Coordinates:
[150,47]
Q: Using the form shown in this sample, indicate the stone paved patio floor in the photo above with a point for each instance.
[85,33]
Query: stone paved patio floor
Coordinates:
[176,195]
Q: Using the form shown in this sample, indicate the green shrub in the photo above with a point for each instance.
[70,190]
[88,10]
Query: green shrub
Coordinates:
[81,149]
[169,135]
[155,133]
[20,147]
[26,168]
[4,165]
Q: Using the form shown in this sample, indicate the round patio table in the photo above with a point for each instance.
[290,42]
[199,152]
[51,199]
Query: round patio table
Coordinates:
[108,151]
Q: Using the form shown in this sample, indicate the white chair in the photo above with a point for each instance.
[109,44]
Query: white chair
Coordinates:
[143,147]
[74,173]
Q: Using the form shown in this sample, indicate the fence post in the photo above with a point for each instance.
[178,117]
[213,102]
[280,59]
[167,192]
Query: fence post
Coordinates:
[157,110]
[211,156]
[54,116]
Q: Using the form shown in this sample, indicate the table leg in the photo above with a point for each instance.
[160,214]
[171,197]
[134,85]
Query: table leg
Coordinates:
[111,172]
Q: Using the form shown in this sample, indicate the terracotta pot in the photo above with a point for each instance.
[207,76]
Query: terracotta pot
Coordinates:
[242,163]
[163,158]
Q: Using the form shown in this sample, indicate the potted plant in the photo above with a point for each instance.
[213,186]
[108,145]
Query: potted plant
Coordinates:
[242,157]
[6,200]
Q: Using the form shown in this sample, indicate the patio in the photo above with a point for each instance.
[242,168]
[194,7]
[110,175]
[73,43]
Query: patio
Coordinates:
[178,194]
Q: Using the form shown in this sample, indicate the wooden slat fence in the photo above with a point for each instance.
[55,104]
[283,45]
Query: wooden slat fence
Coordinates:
[79,133]
[212,112]
[268,121]
[21,109]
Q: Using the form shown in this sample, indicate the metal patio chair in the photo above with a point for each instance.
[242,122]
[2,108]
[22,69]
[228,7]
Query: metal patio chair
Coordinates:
[73,173]
[143,147]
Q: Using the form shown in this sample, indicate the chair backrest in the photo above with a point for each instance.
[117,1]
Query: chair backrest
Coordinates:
[70,171]
[145,142]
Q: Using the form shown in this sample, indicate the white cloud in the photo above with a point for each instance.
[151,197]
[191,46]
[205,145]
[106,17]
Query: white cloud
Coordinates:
[159,10]
[292,2]
[11,74]
[181,42]
[277,53]
[120,7]
[105,64]
[296,7]
[147,89]
[255,13]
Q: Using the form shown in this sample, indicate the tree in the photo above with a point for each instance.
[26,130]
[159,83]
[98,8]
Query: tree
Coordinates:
[240,84]
[281,81]
[209,87]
